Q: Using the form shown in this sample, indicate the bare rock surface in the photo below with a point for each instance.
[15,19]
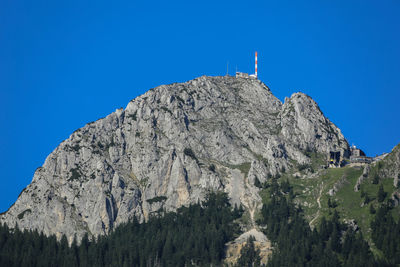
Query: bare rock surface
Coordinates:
[389,166]
[362,177]
[168,148]
[261,242]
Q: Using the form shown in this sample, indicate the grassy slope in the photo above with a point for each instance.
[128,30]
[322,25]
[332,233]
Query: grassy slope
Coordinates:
[310,187]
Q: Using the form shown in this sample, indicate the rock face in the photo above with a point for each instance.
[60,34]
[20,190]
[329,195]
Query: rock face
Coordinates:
[233,249]
[363,177]
[389,166]
[166,149]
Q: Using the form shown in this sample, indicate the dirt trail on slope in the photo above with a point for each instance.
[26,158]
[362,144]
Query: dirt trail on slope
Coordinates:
[319,204]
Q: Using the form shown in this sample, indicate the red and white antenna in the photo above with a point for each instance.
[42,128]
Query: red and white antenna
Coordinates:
[256,66]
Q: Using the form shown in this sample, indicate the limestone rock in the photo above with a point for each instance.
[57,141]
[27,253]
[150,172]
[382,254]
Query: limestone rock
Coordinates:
[395,197]
[387,166]
[166,149]
[338,185]
[233,249]
[363,176]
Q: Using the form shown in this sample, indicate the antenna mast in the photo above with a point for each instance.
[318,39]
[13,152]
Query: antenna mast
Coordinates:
[256,65]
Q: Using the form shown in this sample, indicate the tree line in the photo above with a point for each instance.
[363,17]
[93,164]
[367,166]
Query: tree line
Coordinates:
[191,236]
[332,243]
[196,236]
[386,234]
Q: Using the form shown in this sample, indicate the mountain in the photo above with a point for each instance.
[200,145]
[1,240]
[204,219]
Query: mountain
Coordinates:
[390,166]
[168,148]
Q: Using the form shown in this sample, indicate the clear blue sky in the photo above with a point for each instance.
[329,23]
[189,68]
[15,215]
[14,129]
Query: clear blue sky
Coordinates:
[66,63]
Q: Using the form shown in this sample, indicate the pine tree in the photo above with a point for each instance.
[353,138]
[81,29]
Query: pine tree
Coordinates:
[375,179]
[381,194]
[249,255]
[257,182]
[372,209]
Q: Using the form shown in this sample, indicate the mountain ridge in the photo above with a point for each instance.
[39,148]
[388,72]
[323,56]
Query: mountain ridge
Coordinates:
[166,149]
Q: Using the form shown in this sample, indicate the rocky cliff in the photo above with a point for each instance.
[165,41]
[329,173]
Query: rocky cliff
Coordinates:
[388,167]
[167,148]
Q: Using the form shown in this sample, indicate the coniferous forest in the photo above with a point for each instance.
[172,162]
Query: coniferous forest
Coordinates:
[386,234]
[192,236]
[196,236]
[331,244]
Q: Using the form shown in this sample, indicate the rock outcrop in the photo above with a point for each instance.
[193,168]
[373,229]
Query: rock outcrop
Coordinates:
[391,166]
[261,242]
[166,149]
[362,177]
[387,166]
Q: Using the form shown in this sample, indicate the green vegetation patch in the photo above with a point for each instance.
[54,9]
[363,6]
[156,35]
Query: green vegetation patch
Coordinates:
[156,199]
[133,116]
[360,206]
[180,99]
[243,168]
[349,201]
[212,167]
[316,161]
[189,152]
[75,174]
[166,110]
[76,147]
[330,243]
[21,215]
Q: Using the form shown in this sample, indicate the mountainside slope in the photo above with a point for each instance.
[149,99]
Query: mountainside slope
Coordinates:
[167,149]
[355,191]
[389,167]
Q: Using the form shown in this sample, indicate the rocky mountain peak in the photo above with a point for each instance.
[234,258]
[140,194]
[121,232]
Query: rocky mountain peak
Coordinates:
[169,147]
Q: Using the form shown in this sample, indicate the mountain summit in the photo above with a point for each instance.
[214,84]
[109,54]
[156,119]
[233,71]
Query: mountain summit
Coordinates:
[168,148]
